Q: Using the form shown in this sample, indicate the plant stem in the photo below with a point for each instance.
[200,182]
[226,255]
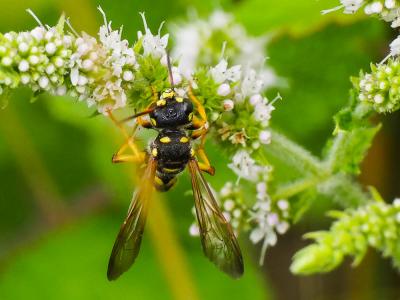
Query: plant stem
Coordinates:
[291,189]
[316,173]
[293,154]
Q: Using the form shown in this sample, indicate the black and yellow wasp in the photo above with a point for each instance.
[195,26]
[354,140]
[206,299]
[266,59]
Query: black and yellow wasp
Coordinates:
[178,121]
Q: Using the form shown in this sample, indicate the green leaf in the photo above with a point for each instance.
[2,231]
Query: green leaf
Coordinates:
[349,148]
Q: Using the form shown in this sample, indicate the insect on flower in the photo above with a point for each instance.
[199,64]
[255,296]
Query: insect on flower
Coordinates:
[175,118]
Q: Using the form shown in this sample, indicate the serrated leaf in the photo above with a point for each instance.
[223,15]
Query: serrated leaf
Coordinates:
[350,148]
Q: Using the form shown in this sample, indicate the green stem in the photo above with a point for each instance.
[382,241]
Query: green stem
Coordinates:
[294,155]
[316,173]
[291,189]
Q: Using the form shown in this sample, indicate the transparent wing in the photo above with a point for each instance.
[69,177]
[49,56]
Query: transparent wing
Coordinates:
[127,245]
[217,237]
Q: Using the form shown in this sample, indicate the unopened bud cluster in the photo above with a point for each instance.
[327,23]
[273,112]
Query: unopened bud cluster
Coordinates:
[381,87]
[37,58]
[49,60]
[376,225]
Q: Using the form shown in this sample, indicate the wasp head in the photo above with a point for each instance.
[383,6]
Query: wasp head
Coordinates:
[171,111]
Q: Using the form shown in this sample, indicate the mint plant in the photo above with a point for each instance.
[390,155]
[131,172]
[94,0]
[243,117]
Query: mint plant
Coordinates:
[226,69]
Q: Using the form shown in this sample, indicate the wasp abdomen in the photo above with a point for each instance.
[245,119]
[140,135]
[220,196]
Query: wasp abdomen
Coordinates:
[172,149]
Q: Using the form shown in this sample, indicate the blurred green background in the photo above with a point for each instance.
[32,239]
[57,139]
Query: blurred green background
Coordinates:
[62,201]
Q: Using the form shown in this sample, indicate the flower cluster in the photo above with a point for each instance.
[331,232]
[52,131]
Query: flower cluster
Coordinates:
[269,218]
[233,93]
[381,87]
[199,42]
[240,113]
[234,208]
[388,10]
[377,225]
[100,71]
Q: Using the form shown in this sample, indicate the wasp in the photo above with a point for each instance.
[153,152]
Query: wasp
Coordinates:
[179,122]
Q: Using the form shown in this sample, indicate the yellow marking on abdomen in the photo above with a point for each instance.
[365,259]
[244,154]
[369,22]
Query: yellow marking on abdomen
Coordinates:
[165,140]
[168,170]
[184,139]
[158,181]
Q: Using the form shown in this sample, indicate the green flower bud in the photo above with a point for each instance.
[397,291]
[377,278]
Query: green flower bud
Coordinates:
[376,225]
[381,87]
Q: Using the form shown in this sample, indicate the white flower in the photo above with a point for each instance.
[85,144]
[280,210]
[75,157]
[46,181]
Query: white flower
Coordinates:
[194,230]
[188,45]
[245,167]
[226,189]
[263,110]
[282,227]
[251,83]
[283,204]
[255,99]
[265,137]
[395,47]
[220,19]
[373,8]
[152,44]
[390,4]
[224,89]
[229,205]
[351,6]
[220,73]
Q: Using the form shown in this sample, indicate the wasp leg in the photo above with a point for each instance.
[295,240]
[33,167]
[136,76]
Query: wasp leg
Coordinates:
[204,164]
[137,155]
[197,103]
[200,126]
[120,157]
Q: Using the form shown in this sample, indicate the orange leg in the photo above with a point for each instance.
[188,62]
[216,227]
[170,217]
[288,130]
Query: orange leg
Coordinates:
[137,155]
[201,129]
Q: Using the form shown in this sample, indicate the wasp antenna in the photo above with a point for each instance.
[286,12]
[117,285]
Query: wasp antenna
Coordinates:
[171,79]
[142,113]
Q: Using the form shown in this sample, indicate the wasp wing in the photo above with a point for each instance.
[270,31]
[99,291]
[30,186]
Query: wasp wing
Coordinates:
[127,245]
[218,240]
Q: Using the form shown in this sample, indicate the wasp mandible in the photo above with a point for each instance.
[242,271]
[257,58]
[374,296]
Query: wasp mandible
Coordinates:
[179,121]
